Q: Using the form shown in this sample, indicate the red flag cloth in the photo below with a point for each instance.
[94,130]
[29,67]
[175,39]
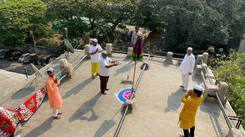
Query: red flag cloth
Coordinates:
[26,110]
[10,119]
[138,49]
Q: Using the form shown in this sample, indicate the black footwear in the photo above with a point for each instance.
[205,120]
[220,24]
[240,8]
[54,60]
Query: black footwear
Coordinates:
[57,117]
[60,113]
[107,89]
[184,90]
[182,86]
[104,93]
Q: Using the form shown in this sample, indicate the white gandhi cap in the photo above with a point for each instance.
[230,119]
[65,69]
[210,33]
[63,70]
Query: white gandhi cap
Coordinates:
[50,69]
[104,52]
[199,88]
[189,49]
[95,40]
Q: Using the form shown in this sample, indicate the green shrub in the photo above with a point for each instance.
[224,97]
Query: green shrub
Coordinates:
[18,18]
[229,69]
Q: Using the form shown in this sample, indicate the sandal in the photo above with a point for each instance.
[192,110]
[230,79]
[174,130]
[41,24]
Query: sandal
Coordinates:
[57,117]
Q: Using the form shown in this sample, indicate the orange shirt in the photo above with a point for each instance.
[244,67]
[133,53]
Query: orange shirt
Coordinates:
[55,99]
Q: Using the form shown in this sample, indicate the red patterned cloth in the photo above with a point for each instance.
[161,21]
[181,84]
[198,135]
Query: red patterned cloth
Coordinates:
[8,122]
[9,119]
[26,110]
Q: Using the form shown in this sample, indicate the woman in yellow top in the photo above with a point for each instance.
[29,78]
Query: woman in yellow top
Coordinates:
[192,100]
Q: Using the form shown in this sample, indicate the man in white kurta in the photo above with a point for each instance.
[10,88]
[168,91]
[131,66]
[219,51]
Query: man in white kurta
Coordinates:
[187,67]
[94,52]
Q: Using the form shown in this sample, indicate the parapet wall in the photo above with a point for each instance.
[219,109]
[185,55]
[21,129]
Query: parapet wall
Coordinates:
[37,80]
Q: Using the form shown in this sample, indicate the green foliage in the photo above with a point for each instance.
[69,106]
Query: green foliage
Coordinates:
[17,18]
[147,15]
[103,15]
[193,22]
[229,69]
[76,27]
[200,23]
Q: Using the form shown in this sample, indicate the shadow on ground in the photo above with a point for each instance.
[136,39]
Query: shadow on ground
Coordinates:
[84,109]
[174,100]
[106,126]
[78,88]
[125,68]
[40,130]
[214,113]
[23,93]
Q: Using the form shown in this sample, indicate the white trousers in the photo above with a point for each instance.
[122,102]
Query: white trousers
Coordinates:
[185,81]
[55,112]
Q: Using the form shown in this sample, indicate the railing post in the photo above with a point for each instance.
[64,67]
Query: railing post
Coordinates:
[198,71]
[130,52]
[86,48]
[169,57]
[222,92]
[109,48]
[199,60]
[211,50]
[205,57]
[204,69]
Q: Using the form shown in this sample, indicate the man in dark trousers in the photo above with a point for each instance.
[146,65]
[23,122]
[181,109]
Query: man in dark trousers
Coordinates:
[105,64]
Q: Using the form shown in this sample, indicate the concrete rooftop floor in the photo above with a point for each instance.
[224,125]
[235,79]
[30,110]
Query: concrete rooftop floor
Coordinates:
[88,114]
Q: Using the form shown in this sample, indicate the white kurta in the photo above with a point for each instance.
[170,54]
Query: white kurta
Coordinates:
[188,64]
[104,71]
[95,58]
[186,67]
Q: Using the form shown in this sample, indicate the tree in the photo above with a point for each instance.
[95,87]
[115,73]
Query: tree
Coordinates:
[20,17]
[103,15]
[194,22]
[148,16]
[237,29]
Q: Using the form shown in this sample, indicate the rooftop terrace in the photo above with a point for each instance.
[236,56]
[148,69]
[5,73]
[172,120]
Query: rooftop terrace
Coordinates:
[88,114]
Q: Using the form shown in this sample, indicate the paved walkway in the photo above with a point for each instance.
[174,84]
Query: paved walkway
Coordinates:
[158,105]
[88,114]
[10,82]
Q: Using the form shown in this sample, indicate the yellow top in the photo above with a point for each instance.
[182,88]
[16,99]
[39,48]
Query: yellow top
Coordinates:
[187,116]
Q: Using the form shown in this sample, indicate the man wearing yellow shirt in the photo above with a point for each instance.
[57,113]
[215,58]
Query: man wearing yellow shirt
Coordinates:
[192,100]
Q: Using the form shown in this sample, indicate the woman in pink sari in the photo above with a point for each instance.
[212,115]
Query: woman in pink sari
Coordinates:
[55,99]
